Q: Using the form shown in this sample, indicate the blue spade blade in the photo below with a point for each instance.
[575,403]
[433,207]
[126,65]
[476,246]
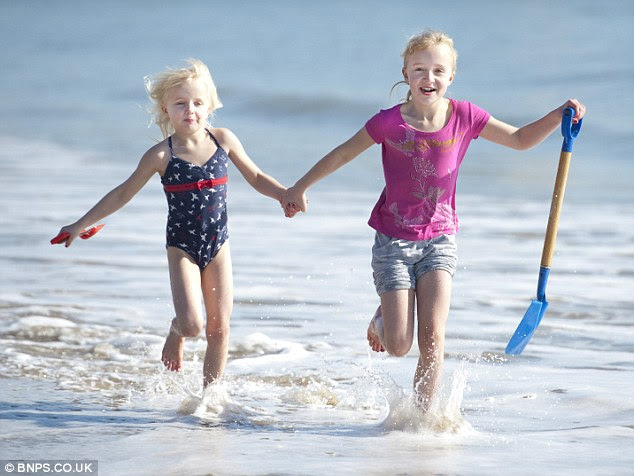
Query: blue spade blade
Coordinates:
[527,327]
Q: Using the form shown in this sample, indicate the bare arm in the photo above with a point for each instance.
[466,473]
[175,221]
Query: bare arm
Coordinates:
[332,161]
[118,196]
[263,183]
[531,134]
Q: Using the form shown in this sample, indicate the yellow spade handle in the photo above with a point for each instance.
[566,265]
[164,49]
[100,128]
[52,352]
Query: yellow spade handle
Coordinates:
[555,208]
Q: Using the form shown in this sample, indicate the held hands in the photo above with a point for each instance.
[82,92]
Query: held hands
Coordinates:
[294,201]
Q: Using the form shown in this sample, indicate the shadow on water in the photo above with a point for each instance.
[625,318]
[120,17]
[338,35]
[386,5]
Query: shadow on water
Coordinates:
[348,430]
[52,414]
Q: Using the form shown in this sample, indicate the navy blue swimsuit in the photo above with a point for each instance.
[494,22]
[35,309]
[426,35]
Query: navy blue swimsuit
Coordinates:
[197,201]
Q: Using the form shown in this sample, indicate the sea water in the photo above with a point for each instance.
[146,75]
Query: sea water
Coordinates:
[81,329]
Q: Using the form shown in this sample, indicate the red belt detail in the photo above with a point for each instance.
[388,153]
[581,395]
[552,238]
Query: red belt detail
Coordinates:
[184,187]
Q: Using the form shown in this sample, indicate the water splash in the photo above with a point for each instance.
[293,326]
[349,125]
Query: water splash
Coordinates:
[216,407]
[444,415]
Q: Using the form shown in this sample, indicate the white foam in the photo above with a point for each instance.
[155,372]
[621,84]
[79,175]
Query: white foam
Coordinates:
[39,321]
[315,392]
[269,353]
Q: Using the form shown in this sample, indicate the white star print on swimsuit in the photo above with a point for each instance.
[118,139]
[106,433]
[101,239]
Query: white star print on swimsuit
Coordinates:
[197,219]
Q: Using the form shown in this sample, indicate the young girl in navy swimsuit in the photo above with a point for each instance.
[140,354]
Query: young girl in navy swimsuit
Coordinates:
[192,162]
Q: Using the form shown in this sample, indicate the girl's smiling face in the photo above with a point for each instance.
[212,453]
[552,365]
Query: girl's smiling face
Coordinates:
[187,106]
[429,73]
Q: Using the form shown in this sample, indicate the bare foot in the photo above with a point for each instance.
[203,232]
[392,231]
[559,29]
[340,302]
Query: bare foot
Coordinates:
[172,356]
[375,332]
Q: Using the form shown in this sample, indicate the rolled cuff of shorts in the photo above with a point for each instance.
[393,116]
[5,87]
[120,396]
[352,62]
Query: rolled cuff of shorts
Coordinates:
[387,281]
[392,280]
[451,269]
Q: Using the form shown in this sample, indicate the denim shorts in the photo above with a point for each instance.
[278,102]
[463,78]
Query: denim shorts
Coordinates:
[397,264]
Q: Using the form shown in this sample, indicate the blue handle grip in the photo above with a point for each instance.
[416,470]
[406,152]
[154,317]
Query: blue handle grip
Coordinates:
[568,129]
[544,272]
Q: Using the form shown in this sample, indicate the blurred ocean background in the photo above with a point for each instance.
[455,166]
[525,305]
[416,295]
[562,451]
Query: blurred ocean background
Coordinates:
[81,330]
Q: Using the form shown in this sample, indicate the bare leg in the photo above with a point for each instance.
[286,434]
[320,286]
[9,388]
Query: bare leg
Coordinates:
[397,313]
[217,285]
[433,295]
[185,283]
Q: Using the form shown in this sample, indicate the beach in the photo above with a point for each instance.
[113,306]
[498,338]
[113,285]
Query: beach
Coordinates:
[81,329]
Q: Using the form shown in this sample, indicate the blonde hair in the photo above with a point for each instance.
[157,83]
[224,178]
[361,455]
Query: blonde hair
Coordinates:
[423,41]
[158,85]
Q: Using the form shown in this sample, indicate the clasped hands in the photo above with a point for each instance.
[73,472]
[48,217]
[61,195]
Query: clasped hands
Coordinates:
[294,201]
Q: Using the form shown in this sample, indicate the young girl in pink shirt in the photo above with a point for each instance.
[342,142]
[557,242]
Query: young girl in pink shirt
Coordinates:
[423,142]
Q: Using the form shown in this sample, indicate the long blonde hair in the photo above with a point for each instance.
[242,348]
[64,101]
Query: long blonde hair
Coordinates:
[159,84]
[424,41]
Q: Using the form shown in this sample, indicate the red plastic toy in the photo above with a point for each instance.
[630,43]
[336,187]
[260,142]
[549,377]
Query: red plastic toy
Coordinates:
[84,235]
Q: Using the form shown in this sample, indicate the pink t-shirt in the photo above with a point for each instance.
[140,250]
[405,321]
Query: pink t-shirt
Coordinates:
[421,169]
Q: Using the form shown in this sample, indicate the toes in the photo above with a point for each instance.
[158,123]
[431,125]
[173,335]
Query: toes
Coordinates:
[172,365]
[375,343]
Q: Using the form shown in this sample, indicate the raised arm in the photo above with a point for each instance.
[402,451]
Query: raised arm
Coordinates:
[149,164]
[332,161]
[531,134]
[263,183]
